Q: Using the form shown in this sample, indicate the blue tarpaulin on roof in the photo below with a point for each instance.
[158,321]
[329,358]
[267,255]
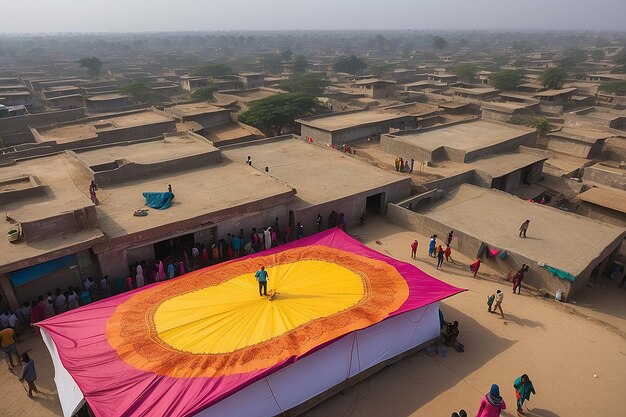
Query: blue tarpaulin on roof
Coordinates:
[24,276]
[159,201]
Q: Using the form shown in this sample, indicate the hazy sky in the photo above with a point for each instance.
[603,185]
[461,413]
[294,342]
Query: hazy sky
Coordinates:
[32,16]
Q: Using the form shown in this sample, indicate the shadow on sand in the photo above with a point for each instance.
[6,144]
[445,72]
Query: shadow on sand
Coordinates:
[409,384]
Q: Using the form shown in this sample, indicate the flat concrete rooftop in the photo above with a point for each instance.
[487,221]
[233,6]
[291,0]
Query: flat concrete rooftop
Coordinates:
[66,189]
[611,198]
[85,130]
[500,165]
[166,149]
[464,136]
[193,109]
[320,175]
[203,191]
[107,97]
[563,240]
[340,121]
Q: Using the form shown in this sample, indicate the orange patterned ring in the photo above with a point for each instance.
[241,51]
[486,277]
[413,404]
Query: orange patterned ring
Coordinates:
[131,329]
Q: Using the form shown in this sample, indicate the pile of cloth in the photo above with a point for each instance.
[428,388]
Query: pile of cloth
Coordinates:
[159,201]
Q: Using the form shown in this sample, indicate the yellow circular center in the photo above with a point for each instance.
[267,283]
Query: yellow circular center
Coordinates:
[232,315]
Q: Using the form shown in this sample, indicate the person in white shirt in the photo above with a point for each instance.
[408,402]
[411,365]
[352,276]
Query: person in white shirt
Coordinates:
[498,304]
[60,302]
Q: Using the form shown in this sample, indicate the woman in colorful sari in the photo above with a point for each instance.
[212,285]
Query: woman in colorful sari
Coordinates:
[523,388]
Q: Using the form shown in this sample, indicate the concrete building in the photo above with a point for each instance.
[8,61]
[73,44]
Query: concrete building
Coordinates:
[325,179]
[16,98]
[575,246]
[606,173]
[74,101]
[474,94]
[117,128]
[576,142]
[191,83]
[444,78]
[598,118]
[252,79]
[506,111]
[461,142]
[606,204]
[102,103]
[345,127]
[374,88]
[554,101]
[508,172]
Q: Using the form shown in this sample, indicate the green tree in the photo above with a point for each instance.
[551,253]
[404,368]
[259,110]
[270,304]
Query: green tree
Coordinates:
[597,55]
[466,71]
[139,91]
[271,114]
[379,69]
[300,64]
[93,65]
[571,57]
[553,78]
[286,54]
[272,63]
[615,87]
[439,43]
[506,79]
[351,64]
[543,126]
[213,70]
[203,93]
[310,84]
[620,59]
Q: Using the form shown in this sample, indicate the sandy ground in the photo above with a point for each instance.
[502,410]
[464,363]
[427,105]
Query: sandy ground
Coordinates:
[560,346]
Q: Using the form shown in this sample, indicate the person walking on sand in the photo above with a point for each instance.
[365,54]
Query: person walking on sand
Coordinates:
[29,374]
[448,253]
[414,249]
[449,238]
[440,255]
[519,277]
[7,340]
[523,388]
[524,228]
[431,246]
[498,304]
[475,266]
[262,277]
[492,404]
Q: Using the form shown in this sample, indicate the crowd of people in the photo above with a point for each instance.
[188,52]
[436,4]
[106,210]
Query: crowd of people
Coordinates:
[404,165]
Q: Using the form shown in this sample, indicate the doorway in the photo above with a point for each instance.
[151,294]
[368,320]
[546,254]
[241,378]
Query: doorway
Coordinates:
[172,247]
[374,204]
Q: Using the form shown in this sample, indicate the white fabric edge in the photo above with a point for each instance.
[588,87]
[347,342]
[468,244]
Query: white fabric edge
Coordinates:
[70,395]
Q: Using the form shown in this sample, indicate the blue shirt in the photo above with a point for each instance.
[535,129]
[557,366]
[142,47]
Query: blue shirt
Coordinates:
[261,276]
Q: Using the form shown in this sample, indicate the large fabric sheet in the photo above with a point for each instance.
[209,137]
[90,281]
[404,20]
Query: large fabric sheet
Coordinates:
[159,201]
[178,347]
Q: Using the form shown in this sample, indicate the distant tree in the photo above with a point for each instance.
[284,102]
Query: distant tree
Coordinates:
[381,42]
[139,91]
[213,70]
[203,93]
[286,54]
[506,79]
[521,46]
[520,63]
[439,43]
[271,114]
[543,126]
[462,43]
[310,84]
[379,69]
[351,64]
[614,87]
[466,71]
[571,57]
[597,55]
[272,63]
[620,59]
[300,64]
[93,65]
[553,78]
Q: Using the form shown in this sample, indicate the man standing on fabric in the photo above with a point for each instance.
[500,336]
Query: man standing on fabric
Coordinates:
[7,340]
[523,228]
[523,388]
[414,249]
[498,304]
[262,277]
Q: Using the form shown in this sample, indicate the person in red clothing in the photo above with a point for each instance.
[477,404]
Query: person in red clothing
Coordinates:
[492,404]
[414,249]
[448,253]
[475,266]
[37,313]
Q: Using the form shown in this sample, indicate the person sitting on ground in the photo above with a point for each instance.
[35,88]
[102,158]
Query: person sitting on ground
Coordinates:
[450,335]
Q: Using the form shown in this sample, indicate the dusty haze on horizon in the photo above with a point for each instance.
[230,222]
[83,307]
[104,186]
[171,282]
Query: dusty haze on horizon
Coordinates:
[47,16]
